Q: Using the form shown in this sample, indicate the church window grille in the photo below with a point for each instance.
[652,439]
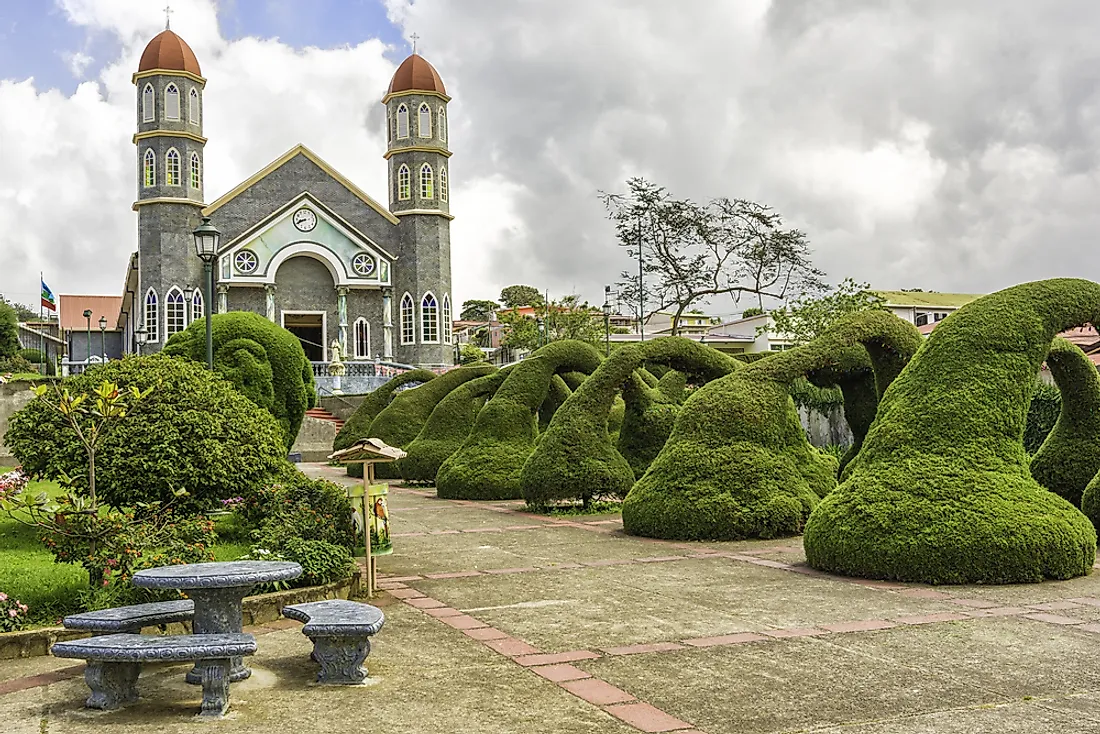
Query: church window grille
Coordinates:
[150,168]
[408,320]
[402,122]
[172,168]
[429,319]
[197,310]
[443,124]
[426,182]
[404,183]
[148,104]
[152,317]
[246,262]
[424,121]
[172,102]
[193,107]
[362,264]
[175,312]
[196,172]
[442,183]
[445,322]
[362,339]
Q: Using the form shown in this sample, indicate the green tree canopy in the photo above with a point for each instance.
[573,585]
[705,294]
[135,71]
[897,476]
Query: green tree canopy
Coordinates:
[515,296]
[478,310]
[9,331]
[809,316]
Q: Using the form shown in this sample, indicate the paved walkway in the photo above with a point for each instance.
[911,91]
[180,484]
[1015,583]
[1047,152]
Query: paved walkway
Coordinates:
[502,621]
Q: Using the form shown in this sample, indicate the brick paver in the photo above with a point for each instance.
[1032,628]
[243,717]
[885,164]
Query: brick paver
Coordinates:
[511,646]
[863,625]
[647,718]
[556,657]
[559,673]
[597,691]
[735,639]
[640,649]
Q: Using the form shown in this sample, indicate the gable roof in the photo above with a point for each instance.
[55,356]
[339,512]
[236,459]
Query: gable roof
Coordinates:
[319,162]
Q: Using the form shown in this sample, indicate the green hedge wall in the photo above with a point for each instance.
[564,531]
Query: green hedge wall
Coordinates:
[488,464]
[264,361]
[941,492]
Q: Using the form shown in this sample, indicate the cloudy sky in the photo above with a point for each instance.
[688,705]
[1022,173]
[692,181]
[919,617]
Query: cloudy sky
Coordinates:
[920,143]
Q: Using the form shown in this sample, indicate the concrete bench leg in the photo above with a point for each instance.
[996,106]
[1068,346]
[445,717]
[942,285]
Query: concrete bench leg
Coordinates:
[341,659]
[113,684]
[215,688]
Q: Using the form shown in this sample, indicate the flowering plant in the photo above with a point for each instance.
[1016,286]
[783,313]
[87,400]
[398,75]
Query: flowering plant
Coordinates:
[13,613]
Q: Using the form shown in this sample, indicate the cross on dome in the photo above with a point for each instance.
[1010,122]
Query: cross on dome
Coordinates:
[168,17]
[414,38]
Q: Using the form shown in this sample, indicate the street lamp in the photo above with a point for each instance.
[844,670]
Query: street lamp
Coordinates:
[88,341]
[139,338]
[607,318]
[103,337]
[207,238]
[189,303]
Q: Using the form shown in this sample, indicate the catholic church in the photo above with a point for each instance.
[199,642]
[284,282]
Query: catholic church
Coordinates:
[300,243]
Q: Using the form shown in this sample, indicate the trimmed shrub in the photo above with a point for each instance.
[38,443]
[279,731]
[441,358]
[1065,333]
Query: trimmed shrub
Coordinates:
[264,361]
[738,464]
[34,356]
[941,491]
[575,458]
[295,506]
[448,426]
[399,422]
[193,432]
[1042,414]
[854,377]
[488,464]
[1070,456]
[358,426]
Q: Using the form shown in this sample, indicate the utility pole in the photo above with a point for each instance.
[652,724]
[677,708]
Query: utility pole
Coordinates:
[641,285]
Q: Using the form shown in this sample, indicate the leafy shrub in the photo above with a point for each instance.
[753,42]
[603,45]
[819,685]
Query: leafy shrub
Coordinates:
[489,462]
[299,507]
[34,356]
[16,364]
[941,492]
[194,432]
[9,331]
[321,562]
[264,361]
[13,613]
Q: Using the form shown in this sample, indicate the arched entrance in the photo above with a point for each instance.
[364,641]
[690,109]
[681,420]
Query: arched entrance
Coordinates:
[306,297]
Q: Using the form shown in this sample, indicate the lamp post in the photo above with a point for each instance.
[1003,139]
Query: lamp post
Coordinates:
[189,303]
[607,319]
[88,341]
[103,337]
[207,238]
[139,338]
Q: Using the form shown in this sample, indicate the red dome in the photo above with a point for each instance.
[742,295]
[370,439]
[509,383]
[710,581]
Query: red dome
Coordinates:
[169,51]
[416,75]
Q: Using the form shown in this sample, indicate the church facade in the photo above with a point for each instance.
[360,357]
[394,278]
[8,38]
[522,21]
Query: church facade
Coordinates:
[300,243]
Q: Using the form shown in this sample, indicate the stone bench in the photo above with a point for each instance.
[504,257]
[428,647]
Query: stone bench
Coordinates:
[341,632]
[114,662]
[131,619]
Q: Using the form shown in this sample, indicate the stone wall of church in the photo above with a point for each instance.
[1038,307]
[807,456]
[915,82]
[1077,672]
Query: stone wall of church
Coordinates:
[425,266]
[166,257]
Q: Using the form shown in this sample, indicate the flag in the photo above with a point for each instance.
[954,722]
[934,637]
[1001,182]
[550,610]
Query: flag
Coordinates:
[48,300]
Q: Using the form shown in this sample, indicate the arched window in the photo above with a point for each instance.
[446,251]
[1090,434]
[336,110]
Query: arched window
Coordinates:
[402,122]
[445,322]
[429,319]
[148,104]
[442,183]
[175,312]
[362,339]
[152,317]
[426,182]
[172,168]
[424,121]
[196,172]
[149,175]
[404,185]
[443,123]
[408,320]
[197,310]
[172,102]
[193,107]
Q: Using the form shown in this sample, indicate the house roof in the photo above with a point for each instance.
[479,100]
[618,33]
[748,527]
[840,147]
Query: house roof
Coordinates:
[71,311]
[931,299]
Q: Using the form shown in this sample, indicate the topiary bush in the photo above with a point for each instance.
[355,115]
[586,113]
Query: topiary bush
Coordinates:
[738,464]
[853,375]
[1070,456]
[1042,414]
[194,432]
[941,491]
[358,426]
[261,359]
[649,416]
[489,462]
[447,427]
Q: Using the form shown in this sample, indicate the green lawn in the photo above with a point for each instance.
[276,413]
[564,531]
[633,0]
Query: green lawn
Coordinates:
[28,571]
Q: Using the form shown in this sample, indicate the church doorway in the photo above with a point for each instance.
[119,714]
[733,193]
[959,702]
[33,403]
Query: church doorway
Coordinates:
[309,327]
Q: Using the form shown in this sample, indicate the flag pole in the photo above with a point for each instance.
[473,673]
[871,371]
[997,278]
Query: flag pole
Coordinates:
[41,337]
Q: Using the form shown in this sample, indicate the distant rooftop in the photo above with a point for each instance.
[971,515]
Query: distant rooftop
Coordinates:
[927,299]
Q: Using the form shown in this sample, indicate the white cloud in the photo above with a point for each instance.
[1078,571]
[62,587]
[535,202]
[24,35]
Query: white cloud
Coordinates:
[78,62]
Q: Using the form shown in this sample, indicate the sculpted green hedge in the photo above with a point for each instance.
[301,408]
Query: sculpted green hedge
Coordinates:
[264,361]
[488,464]
[193,432]
[941,492]
[853,375]
[1070,456]
[737,464]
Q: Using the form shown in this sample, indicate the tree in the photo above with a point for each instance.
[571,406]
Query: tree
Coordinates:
[752,312]
[9,331]
[808,316]
[692,252]
[477,310]
[567,318]
[469,353]
[22,312]
[515,296]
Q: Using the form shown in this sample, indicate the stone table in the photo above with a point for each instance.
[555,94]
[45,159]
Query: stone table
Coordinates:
[217,590]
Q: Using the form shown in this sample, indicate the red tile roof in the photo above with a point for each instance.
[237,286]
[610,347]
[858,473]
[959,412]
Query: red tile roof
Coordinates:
[71,311]
[169,51]
[416,74]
